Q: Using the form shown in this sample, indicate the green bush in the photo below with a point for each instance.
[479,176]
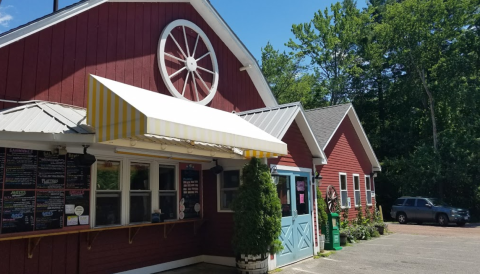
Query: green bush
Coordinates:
[257,212]
[322,209]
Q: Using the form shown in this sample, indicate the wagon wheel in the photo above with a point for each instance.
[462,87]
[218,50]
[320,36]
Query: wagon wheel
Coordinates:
[332,199]
[188,57]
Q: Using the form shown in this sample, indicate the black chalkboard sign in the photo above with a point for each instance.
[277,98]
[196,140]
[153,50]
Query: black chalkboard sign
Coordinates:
[77,207]
[190,193]
[18,211]
[51,170]
[49,210]
[77,177]
[20,169]
[2,169]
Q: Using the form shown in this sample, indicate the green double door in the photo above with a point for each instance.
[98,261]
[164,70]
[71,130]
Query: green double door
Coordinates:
[293,190]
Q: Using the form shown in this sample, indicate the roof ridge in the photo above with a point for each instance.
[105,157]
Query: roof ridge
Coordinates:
[339,105]
[269,108]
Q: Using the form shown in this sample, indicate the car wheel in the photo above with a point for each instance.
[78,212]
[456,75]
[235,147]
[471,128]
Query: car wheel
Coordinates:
[402,218]
[461,223]
[442,219]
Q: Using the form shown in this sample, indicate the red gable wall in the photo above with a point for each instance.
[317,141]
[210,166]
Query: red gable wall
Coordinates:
[346,154]
[117,41]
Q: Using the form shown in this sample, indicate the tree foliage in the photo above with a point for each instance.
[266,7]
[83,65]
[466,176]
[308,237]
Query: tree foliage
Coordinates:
[411,68]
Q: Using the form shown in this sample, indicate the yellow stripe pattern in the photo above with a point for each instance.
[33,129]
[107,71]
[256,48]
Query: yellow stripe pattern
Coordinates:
[111,116]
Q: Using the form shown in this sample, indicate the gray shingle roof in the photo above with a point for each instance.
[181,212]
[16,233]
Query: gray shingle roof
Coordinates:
[273,120]
[324,121]
[45,117]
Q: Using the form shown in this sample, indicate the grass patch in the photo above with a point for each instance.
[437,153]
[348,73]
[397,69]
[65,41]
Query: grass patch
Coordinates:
[324,254]
[276,270]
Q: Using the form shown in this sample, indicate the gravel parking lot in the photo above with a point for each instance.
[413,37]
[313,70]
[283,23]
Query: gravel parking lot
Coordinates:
[411,249]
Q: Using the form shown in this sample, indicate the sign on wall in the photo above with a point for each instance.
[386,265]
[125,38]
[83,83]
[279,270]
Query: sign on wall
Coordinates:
[189,206]
[39,189]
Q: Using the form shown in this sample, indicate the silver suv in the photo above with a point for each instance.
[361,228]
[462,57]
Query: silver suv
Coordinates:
[420,209]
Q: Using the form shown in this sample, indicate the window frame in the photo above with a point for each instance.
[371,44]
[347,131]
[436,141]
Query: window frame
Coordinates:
[355,191]
[130,191]
[366,191]
[124,186]
[340,174]
[219,188]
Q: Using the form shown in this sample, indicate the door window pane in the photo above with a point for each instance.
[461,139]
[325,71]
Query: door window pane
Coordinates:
[140,207]
[301,195]
[108,209]
[343,190]
[356,186]
[108,175]
[368,190]
[139,176]
[283,192]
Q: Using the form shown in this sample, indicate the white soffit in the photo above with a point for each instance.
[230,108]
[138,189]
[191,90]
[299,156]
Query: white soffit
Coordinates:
[203,7]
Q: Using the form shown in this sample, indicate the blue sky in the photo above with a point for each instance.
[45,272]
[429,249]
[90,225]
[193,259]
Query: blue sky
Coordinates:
[255,22]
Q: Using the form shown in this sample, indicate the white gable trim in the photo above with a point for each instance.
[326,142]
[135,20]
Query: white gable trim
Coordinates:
[309,136]
[361,135]
[203,7]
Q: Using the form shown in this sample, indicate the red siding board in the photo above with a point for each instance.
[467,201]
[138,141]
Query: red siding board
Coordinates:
[17,256]
[29,67]
[79,83]
[56,62]
[137,61]
[5,258]
[299,154]
[146,46]
[112,40]
[59,254]
[4,54]
[130,44]
[15,66]
[102,40]
[43,64]
[345,153]
[120,42]
[91,56]
[69,61]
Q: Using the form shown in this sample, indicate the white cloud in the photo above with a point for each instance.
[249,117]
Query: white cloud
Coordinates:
[5,18]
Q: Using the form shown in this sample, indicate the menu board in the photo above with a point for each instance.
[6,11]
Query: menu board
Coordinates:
[49,209]
[77,207]
[51,170]
[77,177]
[18,211]
[2,168]
[190,202]
[40,190]
[20,169]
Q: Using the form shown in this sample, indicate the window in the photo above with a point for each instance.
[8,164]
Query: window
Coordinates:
[399,202]
[140,193]
[368,189]
[229,183]
[167,192]
[108,193]
[343,190]
[410,202]
[284,194]
[422,203]
[356,187]
[301,195]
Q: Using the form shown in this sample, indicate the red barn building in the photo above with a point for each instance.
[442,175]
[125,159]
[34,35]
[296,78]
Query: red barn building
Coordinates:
[148,88]
[352,163]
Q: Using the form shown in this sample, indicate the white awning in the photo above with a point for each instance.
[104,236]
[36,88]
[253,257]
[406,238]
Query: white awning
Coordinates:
[121,112]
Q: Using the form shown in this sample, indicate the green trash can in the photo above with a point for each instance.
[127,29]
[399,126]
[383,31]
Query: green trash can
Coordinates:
[332,232]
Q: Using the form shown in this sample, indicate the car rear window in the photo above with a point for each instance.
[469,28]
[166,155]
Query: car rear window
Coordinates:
[410,202]
[399,202]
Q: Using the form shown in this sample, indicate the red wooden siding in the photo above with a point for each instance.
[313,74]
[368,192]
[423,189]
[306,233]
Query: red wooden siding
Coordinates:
[217,231]
[118,41]
[299,154]
[346,154]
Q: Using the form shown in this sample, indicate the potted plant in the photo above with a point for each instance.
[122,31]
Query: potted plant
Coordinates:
[322,217]
[257,219]
[381,227]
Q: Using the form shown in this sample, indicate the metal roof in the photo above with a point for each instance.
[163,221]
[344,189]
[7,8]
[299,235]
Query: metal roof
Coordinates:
[45,117]
[273,120]
[324,121]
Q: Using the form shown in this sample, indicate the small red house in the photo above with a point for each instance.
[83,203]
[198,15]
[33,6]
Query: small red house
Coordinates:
[352,163]
[152,90]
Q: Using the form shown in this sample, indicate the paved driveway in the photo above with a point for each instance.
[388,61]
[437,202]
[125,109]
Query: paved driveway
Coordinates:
[411,249]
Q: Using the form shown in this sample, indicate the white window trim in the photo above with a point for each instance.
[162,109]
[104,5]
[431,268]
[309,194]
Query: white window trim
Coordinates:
[125,162]
[355,191]
[219,188]
[366,191]
[177,186]
[340,187]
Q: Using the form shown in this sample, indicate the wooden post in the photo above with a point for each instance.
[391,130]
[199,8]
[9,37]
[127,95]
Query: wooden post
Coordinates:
[381,212]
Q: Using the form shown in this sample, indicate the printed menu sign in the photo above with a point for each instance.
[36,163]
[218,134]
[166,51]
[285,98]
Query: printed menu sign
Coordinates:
[51,170]
[18,207]
[190,193]
[77,177]
[49,210]
[20,168]
[77,207]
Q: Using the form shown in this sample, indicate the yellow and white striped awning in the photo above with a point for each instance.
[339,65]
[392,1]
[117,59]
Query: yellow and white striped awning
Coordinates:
[121,112]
